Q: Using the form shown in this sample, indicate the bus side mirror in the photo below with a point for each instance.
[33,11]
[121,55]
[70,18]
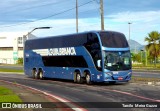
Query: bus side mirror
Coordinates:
[99,63]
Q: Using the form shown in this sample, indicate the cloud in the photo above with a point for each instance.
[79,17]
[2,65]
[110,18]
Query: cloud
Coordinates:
[143,22]
[141,16]
[21,11]
[59,27]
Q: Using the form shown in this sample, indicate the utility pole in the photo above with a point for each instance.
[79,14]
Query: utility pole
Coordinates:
[102,14]
[77,16]
[129,23]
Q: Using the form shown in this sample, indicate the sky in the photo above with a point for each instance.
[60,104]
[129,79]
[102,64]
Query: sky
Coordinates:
[18,17]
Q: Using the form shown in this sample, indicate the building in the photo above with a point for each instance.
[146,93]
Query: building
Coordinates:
[11,48]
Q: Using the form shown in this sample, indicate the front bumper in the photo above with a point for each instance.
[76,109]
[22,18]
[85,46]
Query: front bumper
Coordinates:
[121,76]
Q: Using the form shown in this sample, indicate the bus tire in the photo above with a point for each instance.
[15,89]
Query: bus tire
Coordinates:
[75,78]
[79,79]
[41,75]
[37,75]
[88,79]
[34,73]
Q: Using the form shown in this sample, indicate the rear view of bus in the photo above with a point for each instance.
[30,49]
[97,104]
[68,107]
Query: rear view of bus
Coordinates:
[116,55]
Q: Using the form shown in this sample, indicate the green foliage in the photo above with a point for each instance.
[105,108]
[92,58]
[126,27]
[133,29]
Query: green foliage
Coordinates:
[6,95]
[5,91]
[153,46]
[145,68]
[10,70]
[136,57]
[10,98]
[20,61]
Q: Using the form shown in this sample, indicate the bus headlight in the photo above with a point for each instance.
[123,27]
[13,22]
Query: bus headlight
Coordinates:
[129,73]
[109,73]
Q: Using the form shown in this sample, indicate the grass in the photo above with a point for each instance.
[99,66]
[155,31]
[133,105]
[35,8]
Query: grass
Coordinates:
[148,65]
[10,70]
[7,95]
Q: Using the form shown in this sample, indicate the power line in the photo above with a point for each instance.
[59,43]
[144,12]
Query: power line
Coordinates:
[77,16]
[29,8]
[49,16]
[97,1]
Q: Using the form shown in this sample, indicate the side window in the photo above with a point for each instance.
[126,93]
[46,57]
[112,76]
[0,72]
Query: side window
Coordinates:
[92,42]
[64,61]
[93,48]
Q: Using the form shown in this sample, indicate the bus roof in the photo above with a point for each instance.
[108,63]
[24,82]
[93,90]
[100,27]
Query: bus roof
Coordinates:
[86,32]
[69,40]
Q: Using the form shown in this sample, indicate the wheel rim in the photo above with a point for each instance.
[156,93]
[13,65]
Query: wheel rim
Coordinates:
[78,78]
[41,75]
[88,78]
[34,73]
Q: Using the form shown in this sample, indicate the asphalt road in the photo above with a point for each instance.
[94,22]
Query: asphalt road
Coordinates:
[146,74]
[135,73]
[124,92]
[11,67]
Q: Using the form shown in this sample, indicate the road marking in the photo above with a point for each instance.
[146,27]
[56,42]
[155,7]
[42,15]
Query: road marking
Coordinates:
[71,105]
[145,98]
[130,94]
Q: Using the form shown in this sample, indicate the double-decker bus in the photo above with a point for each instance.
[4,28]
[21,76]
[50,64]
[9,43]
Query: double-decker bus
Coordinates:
[95,56]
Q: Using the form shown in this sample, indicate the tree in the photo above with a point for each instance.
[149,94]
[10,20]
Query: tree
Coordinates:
[20,61]
[136,57]
[153,44]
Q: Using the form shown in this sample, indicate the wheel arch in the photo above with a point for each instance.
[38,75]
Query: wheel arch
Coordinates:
[34,68]
[86,71]
[40,69]
[77,70]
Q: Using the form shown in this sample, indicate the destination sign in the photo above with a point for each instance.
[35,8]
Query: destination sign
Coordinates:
[62,51]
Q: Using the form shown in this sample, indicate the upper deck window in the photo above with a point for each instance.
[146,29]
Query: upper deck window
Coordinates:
[113,40]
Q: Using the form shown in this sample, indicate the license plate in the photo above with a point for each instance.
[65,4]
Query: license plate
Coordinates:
[115,72]
[120,78]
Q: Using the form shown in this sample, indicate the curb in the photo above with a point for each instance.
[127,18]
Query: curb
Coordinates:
[72,106]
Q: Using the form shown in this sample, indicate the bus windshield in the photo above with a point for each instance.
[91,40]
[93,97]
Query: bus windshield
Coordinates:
[117,60]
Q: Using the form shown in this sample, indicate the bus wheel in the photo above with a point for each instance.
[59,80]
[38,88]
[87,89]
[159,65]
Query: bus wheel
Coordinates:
[79,79]
[88,79]
[75,77]
[41,75]
[37,75]
[34,73]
